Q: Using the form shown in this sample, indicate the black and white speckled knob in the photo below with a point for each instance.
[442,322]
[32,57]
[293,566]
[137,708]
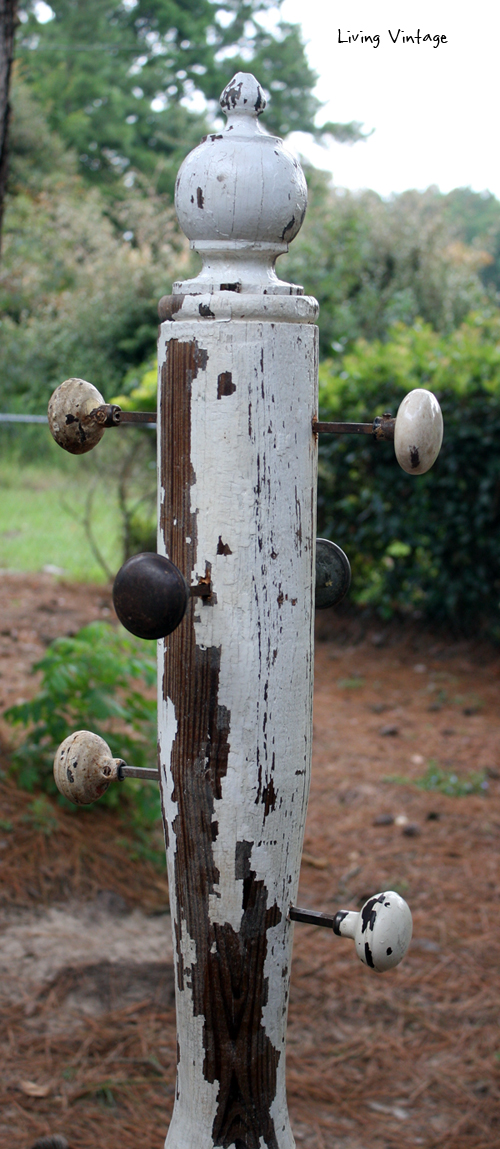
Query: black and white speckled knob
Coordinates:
[381,931]
[418,432]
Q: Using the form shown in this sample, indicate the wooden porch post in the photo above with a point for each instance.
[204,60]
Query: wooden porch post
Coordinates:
[237,494]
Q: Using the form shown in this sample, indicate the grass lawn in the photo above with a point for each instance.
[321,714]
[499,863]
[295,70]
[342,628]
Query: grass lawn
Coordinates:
[42,507]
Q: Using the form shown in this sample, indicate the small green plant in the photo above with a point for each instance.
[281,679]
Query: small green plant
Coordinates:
[444,782]
[89,682]
[41,816]
[350,683]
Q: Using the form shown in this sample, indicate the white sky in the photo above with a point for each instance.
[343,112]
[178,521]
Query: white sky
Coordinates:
[435,111]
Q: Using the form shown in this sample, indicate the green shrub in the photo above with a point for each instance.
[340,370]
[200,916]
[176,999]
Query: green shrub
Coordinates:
[89,683]
[427,544]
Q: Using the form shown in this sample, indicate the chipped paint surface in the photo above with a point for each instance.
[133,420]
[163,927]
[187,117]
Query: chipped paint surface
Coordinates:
[381,931]
[237,499]
[84,767]
[70,406]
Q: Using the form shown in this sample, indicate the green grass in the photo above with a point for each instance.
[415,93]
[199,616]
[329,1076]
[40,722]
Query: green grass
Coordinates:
[41,508]
[444,782]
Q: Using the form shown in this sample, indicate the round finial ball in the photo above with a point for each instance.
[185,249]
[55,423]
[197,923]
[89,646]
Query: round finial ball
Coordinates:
[84,767]
[241,184]
[68,414]
[333,574]
[383,931]
[150,595]
[418,432]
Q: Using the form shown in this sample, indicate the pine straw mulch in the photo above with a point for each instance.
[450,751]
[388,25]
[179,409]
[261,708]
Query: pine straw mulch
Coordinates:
[374,1062]
[49,856]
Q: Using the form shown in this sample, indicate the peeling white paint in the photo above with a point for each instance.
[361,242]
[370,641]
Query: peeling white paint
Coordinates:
[262,623]
[253,455]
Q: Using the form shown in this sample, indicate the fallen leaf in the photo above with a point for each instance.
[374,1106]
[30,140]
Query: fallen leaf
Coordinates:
[318,863]
[31,1089]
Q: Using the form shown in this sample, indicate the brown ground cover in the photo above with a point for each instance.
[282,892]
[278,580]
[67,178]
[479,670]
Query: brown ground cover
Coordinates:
[411,1057]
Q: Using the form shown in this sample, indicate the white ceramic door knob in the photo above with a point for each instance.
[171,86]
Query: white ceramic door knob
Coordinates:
[418,432]
[381,931]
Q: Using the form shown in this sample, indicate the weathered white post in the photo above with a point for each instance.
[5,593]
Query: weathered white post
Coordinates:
[233,588]
[237,488]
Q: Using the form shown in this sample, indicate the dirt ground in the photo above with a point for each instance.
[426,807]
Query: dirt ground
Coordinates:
[408,1058]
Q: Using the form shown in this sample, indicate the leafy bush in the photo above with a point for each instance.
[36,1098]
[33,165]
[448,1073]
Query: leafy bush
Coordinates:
[429,544]
[88,683]
[372,262]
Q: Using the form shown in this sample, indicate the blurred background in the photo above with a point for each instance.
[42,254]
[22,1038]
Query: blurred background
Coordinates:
[401,246]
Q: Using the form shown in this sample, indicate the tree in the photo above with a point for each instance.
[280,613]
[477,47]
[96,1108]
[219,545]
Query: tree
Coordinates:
[476,217]
[129,85]
[8,10]
[372,262]
[78,292]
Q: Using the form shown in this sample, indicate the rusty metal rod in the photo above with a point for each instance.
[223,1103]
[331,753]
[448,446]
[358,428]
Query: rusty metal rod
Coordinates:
[382,428]
[343,428]
[137,772]
[311,917]
[111,415]
[137,417]
[202,590]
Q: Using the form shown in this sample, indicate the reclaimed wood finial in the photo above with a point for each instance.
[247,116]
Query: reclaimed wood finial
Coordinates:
[241,197]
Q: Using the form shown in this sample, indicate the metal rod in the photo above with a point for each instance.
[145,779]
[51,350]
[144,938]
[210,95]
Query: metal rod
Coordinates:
[202,590]
[23,419]
[382,428]
[138,772]
[343,428]
[311,917]
[137,417]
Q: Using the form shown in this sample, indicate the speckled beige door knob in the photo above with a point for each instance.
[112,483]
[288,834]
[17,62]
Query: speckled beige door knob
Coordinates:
[84,767]
[68,412]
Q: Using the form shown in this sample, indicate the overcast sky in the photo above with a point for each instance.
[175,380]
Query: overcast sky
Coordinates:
[435,111]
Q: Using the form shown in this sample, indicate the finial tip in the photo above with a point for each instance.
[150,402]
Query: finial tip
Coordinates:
[243,96]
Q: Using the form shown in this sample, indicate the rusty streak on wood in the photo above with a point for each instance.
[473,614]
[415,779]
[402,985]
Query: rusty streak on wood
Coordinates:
[226,979]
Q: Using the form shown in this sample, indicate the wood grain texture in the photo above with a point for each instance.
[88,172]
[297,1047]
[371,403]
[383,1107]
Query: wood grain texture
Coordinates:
[237,485]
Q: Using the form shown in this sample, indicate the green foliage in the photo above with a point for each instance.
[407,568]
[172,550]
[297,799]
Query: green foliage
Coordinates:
[372,263]
[89,683]
[476,218]
[38,157]
[117,80]
[41,817]
[429,545]
[78,290]
[445,782]
[140,388]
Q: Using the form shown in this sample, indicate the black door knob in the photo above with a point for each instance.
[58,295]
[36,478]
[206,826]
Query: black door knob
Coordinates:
[150,595]
[333,574]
